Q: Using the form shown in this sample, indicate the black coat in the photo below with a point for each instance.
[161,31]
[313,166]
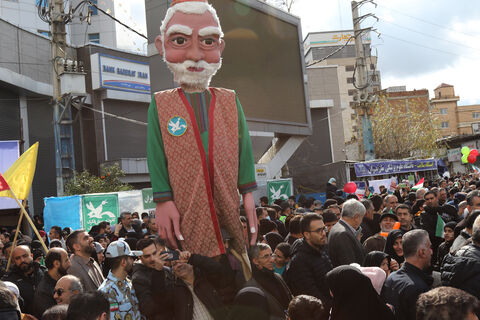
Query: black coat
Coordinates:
[149,285]
[305,274]
[463,270]
[402,288]
[428,222]
[172,296]
[264,296]
[27,285]
[43,298]
[343,246]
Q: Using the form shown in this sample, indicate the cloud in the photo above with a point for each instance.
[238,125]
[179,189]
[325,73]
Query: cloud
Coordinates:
[132,13]
[423,43]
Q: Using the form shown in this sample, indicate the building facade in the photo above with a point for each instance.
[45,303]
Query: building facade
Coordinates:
[337,48]
[399,98]
[453,119]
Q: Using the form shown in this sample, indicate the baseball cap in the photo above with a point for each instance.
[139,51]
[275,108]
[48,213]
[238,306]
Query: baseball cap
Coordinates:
[98,247]
[388,214]
[121,248]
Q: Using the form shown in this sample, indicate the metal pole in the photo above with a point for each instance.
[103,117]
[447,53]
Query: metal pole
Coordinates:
[58,54]
[367,147]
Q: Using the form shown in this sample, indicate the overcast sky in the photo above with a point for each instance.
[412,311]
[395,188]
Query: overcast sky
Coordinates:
[422,44]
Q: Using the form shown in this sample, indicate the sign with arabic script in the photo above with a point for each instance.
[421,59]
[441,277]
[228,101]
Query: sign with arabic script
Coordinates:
[370,169]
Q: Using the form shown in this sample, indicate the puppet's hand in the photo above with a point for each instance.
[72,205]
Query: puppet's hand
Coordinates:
[249,205]
[166,216]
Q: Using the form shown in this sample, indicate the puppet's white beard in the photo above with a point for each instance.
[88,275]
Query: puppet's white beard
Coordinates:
[194,80]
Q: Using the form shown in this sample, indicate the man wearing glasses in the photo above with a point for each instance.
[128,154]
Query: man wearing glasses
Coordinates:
[57,263]
[67,287]
[265,293]
[309,265]
[118,289]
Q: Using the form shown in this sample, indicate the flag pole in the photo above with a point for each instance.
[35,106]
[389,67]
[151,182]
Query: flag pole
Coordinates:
[14,240]
[30,221]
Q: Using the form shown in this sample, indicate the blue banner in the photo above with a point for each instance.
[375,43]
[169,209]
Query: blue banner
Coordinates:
[370,169]
[62,212]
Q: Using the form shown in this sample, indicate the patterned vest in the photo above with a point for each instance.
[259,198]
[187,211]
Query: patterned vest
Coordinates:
[204,193]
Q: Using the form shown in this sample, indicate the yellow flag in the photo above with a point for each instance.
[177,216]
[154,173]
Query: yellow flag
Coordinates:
[20,175]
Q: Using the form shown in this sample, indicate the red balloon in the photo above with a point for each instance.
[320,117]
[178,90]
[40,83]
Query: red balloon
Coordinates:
[350,187]
[474,152]
[471,158]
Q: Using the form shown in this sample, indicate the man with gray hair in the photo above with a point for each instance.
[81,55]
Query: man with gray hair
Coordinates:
[67,287]
[344,245]
[403,286]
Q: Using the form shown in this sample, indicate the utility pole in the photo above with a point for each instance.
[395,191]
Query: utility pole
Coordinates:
[58,57]
[363,99]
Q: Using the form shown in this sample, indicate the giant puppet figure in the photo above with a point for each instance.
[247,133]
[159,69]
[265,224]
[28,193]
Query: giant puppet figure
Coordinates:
[199,150]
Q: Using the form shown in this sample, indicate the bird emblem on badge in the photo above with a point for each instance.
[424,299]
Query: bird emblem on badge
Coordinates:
[177,126]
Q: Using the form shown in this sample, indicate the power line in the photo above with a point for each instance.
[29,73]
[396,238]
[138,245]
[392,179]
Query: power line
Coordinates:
[329,55]
[426,47]
[115,19]
[32,63]
[429,35]
[428,22]
[116,116]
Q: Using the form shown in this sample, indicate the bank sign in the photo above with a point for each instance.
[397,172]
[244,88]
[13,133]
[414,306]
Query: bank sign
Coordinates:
[118,73]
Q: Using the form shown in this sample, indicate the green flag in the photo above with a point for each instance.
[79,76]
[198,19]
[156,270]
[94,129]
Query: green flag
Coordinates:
[439,229]
[279,189]
[99,207]
[147,199]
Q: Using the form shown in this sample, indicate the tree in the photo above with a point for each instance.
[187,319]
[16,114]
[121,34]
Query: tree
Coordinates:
[283,4]
[109,181]
[403,132]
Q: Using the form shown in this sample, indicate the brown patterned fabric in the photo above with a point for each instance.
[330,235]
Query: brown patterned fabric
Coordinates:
[204,209]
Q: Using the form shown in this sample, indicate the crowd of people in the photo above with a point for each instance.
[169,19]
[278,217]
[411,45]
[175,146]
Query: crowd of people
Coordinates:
[399,255]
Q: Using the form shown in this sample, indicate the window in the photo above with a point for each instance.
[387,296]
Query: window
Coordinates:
[94,10]
[372,66]
[94,37]
[349,68]
[443,111]
[444,124]
[350,80]
[351,92]
[476,115]
[44,32]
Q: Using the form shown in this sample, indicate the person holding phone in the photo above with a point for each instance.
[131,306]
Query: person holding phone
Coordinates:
[188,290]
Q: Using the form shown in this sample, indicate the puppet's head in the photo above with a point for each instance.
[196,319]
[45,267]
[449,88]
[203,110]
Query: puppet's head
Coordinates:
[191,43]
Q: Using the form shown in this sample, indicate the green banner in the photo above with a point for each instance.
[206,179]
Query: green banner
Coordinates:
[279,189]
[147,199]
[97,208]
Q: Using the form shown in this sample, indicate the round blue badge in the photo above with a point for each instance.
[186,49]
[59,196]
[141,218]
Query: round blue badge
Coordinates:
[177,126]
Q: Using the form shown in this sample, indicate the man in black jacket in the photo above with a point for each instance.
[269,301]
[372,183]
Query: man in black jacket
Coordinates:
[265,295]
[148,276]
[57,263]
[463,270]
[127,225]
[428,218]
[187,291]
[26,274]
[306,272]
[402,287]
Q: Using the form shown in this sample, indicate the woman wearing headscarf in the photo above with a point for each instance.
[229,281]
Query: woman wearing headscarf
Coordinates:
[378,259]
[354,296]
[393,246]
